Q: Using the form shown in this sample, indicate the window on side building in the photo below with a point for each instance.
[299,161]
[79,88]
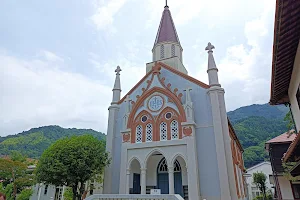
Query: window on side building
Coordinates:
[296,190]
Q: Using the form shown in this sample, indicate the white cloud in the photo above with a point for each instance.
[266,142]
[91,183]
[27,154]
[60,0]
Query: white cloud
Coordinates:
[245,72]
[33,93]
[103,18]
[50,56]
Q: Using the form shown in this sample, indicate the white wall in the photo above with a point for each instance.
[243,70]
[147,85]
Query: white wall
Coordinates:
[49,195]
[266,169]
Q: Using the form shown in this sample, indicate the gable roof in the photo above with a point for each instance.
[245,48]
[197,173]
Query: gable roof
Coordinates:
[283,138]
[166,30]
[167,67]
[258,165]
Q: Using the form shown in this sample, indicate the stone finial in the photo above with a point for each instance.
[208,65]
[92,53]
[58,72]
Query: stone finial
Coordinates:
[118,70]
[209,47]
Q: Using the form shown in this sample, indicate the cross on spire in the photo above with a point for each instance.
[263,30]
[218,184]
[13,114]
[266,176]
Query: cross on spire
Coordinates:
[210,47]
[118,70]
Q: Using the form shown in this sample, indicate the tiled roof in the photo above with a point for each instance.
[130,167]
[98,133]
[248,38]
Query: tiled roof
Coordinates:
[292,147]
[285,137]
[166,31]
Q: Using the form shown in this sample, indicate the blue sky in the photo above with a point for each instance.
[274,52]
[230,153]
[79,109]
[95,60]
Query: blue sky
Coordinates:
[57,58]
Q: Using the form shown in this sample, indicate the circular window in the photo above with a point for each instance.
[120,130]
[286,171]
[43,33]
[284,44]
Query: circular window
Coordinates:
[144,118]
[168,115]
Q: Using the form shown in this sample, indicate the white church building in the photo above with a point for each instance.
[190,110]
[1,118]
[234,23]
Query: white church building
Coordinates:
[171,132]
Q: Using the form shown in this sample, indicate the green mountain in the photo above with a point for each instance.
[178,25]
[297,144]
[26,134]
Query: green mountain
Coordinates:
[254,125]
[33,142]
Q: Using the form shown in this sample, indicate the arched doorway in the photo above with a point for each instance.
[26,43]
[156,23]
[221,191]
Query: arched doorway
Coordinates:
[163,177]
[135,177]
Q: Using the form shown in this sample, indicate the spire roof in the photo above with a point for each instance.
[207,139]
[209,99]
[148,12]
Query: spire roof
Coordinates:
[166,31]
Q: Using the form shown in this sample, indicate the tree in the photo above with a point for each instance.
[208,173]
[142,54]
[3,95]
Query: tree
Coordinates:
[259,178]
[25,194]
[290,122]
[16,173]
[72,162]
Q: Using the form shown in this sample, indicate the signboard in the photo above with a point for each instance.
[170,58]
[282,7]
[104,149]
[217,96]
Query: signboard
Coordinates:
[155,191]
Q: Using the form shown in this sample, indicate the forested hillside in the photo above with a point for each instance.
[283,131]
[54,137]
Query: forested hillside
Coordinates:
[256,124]
[33,142]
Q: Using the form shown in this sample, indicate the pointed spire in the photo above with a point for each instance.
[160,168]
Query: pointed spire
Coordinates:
[117,87]
[166,31]
[212,69]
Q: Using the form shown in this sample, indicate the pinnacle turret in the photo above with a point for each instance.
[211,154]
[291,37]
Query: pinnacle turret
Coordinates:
[117,87]
[212,69]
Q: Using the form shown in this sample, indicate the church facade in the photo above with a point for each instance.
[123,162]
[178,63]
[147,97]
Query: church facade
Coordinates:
[171,131]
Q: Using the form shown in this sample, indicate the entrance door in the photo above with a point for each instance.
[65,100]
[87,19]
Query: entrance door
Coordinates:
[163,183]
[136,184]
[163,177]
[178,189]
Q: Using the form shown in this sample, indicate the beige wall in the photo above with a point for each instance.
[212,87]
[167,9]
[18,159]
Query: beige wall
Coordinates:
[294,85]
[285,188]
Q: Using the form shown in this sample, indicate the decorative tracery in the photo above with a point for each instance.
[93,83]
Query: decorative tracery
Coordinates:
[139,134]
[162,51]
[174,130]
[173,50]
[163,166]
[163,131]
[177,167]
[149,131]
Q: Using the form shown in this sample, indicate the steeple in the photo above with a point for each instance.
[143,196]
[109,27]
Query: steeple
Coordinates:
[166,30]
[167,47]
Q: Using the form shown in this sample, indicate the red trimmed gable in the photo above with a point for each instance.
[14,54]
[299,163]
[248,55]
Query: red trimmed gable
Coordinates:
[187,77]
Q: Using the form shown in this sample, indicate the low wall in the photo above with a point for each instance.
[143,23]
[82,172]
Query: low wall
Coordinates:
[134,197]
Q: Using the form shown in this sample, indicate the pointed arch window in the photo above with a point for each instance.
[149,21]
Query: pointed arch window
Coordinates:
[139,133]
[177,167]
[163,167]
[149,132]
[173,50]
[174,130]
[162,51]
[163,131]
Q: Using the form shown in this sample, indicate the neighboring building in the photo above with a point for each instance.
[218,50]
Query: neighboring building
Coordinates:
[285,83]
[51,192]
[171,132]
[264,167]
[276,148]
